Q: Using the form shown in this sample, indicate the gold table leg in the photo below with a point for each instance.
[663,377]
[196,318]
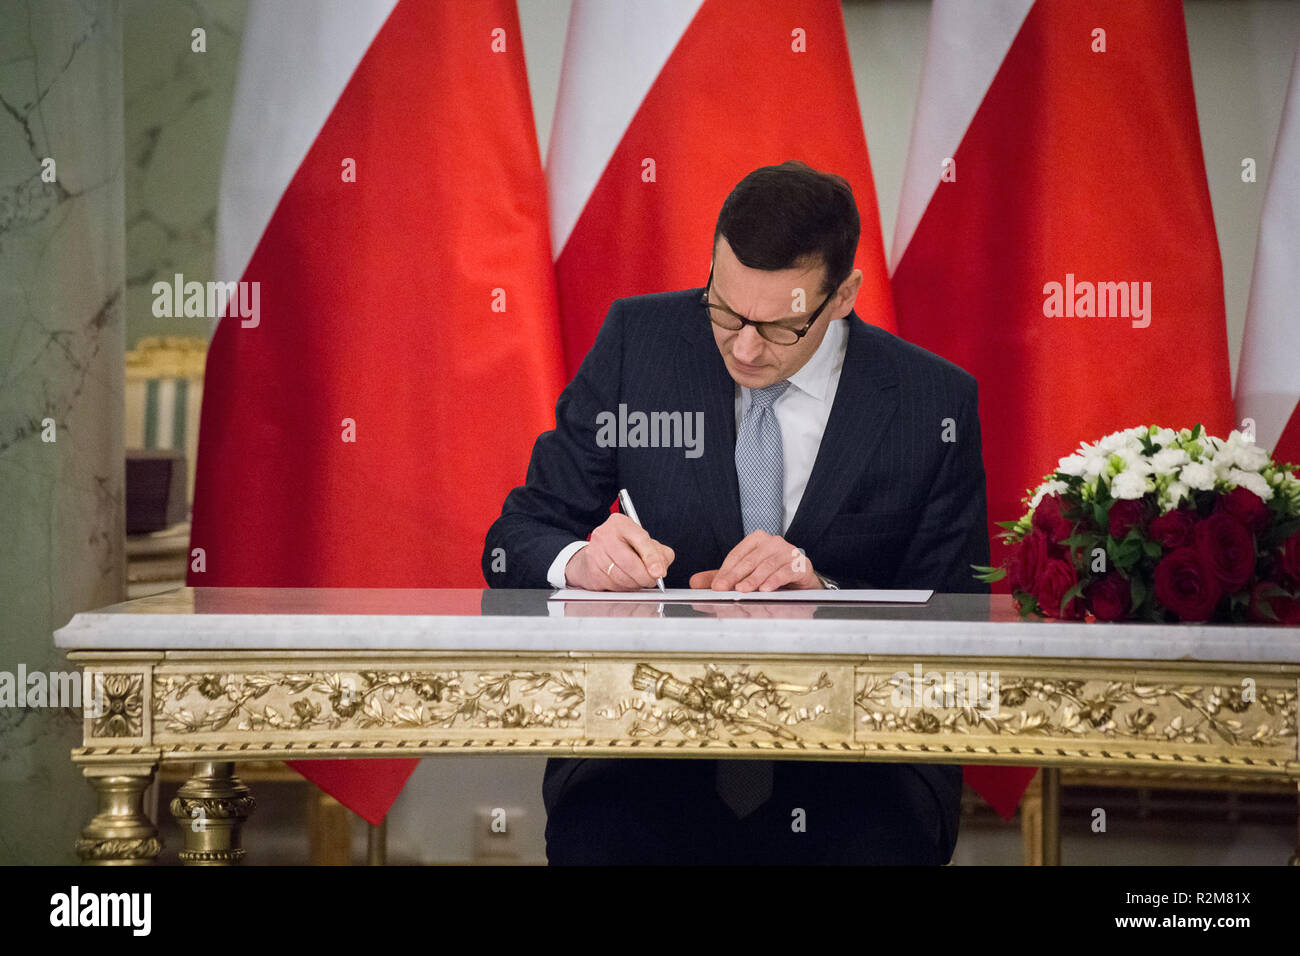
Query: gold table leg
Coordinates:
[1051,815]
[121,833]
[1031,821]
[210,809]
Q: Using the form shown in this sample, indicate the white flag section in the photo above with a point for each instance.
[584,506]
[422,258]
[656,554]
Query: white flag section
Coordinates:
[966,46]
[297,57]
[612,55]
[1268,378]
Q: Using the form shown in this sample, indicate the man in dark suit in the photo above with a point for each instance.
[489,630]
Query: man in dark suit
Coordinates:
[808,450]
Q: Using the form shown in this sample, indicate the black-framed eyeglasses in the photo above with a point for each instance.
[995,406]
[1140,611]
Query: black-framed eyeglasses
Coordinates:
[774,332]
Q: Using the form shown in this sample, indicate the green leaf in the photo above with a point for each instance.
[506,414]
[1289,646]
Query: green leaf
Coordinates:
[1197,431]
[1076,590]
[1152,549]
[1137,587]
[1009,525]
[1028,603]
[1275,535]
[988,574]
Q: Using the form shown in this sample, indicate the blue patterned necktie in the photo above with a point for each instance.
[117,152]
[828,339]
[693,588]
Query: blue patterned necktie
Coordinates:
[745,785]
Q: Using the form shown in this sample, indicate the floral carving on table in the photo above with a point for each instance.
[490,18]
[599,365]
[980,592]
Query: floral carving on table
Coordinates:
[198,703]
[717,704]
[121,705]
[1172,713]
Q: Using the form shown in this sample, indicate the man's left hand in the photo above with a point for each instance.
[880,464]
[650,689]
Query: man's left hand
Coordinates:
[761,562]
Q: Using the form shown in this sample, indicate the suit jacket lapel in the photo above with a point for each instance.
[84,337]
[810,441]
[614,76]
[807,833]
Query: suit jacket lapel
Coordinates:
[706,386]
[865,402]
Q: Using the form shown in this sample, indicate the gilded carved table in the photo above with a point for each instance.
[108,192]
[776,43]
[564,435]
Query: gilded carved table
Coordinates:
[215,676]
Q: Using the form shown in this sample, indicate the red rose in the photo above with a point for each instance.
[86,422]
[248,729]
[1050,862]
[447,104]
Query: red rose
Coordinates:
[1186,585]
[1028,562]
[1126,514]
[1286,609]
[1174,528]
[1056,578]
[1049,519]
[1247,507]
[1227,549]
[1109,597]
[1288,559]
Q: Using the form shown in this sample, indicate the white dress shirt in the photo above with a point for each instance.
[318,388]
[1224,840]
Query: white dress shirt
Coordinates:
[801,411]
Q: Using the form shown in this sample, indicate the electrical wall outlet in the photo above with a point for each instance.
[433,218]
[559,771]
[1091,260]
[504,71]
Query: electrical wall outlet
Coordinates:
[499,834]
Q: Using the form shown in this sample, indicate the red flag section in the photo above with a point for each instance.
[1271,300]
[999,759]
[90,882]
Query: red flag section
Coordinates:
[365,432]
[1079,165]
[744,84]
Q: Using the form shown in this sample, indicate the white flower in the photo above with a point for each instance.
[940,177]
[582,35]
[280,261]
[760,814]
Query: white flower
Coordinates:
[1164,437]
[1168,460]
[1116,441]
[1197,475]
[1134,461]
[1174,495]
[1251,481]
[1129,484]
[1071,465]
[1251,457]
[1222,463]
[1045,489]
[1094,464]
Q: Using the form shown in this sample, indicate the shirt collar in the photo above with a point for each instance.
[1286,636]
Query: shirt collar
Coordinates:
[814,378]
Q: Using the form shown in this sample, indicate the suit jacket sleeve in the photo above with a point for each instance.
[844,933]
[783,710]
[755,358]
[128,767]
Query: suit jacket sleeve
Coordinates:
[953,532]
[571,481]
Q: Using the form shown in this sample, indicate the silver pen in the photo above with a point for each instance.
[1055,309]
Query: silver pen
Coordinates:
[625,506]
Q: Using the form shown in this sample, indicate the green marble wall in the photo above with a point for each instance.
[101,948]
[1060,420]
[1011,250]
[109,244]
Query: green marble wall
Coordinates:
[62,273]
[177,114]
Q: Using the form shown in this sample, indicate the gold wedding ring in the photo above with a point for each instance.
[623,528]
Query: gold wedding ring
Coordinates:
[609,571]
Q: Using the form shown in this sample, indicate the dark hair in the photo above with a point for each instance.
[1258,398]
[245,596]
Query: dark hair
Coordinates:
[779,217]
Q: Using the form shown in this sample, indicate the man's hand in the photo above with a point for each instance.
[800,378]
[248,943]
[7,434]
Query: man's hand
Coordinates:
[619,557]
[761,562]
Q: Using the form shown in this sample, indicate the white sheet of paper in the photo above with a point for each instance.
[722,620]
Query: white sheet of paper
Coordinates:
[691,596]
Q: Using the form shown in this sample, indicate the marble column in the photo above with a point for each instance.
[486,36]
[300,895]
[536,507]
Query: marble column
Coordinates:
[62,274]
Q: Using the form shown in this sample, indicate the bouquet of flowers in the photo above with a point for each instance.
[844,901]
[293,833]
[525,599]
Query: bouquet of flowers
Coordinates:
[1154,524]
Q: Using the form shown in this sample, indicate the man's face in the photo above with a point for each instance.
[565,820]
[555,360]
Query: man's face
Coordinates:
[771,296]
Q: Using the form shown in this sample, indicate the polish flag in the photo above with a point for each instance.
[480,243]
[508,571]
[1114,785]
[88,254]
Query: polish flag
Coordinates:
[1268,378]
[383,186]
[663,107]
[1056,148]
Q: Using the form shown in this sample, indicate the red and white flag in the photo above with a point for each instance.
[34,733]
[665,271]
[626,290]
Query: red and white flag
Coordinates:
[1268,376]
[1055,237]
[663,108]
[383,191]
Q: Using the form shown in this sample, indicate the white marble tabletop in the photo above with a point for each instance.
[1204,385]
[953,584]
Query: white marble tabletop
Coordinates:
[483,620]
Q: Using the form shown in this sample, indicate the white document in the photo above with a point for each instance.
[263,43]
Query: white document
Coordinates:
[691,596]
